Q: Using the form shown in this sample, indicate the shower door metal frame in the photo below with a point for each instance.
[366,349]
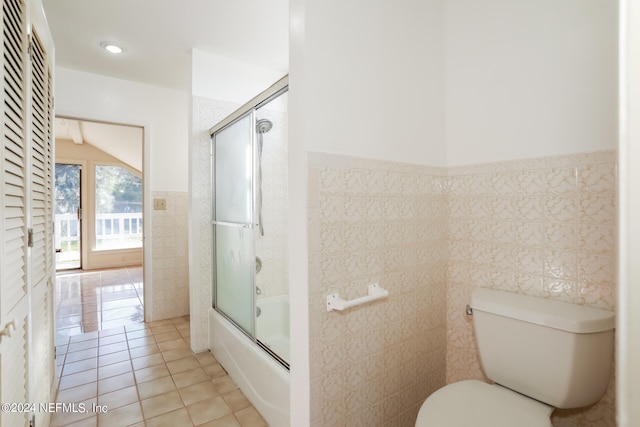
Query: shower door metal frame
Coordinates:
[251,226]
[274,91]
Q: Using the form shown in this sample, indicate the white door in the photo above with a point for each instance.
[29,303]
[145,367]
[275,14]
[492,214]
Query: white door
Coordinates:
[26,231]
[41,257]
[14,308]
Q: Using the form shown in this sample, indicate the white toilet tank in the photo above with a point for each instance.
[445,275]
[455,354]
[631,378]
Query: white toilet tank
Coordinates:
[558,353]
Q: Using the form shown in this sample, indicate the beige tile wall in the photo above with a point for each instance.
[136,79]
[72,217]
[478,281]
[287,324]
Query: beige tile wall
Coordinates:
[373,221]
[543,227]
[170,270]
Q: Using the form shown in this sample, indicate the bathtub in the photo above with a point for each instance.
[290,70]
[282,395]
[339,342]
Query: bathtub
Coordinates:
[272,324]
[263,380]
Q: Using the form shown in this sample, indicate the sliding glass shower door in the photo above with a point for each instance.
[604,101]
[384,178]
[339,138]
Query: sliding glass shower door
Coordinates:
[234,222]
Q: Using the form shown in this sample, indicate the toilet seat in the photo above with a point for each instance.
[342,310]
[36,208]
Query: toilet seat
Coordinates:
[475,403]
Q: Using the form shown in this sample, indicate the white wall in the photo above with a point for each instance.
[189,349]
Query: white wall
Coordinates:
[628,327]
[529,78]
[164,112]
[227,79]
[441,83]
[164,115]
[375,80]
[366,79]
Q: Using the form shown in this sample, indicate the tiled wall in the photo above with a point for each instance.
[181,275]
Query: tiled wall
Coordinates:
[543,227]
[373,221]
[170,270]
[272,247]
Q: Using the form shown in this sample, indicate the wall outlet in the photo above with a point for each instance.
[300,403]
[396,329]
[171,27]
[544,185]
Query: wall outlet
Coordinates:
[160,204]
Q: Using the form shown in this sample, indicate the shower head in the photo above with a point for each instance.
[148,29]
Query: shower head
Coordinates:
[263,126]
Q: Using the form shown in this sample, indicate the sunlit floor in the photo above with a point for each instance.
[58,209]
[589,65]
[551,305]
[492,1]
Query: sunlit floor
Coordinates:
[95,300]
[129,373]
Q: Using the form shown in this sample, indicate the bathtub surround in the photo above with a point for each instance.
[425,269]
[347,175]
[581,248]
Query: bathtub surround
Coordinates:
[272,247]
[542,226]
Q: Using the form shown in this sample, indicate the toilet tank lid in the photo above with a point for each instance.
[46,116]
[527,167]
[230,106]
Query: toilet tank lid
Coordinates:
[554,314]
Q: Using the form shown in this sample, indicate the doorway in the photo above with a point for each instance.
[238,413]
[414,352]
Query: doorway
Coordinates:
[98,225]
[68,216]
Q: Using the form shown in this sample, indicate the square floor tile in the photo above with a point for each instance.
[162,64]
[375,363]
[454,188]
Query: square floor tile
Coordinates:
[226,421]
[73,380]
[114,369]
[198,392]
[79,393]
[208,410]
[156,387]
[161,404]
[181,365]
[111,358]
[151,373]
[179,417]
[147,361]
[116,383]
[79,366]
[187,378]
[249,417]
[176,354]
[236,400]
[224,384]
[144,350]
[123,416]
[215,370]
[118,398]
[173,344]
[139,333]
[111,339]
[83,345]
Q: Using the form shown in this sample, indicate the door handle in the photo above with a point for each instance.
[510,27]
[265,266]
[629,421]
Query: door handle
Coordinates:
[7,329]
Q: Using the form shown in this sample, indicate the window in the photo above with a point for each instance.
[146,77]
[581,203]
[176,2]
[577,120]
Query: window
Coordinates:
[118,208]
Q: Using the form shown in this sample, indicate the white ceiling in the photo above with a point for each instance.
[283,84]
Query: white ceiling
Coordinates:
[159,35]
[120,141]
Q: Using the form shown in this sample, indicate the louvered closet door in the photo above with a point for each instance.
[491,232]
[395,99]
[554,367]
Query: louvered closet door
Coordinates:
[41,191]
[13,267]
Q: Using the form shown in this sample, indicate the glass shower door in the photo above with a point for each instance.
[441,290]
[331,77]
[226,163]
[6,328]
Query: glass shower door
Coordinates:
[233,223]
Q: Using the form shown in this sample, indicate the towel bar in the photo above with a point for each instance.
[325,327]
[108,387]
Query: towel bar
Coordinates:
[375,292]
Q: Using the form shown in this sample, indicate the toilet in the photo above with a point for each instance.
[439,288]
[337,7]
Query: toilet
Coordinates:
[540,354]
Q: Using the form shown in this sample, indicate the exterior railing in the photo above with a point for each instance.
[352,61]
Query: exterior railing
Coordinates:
[118,230]
[113,231]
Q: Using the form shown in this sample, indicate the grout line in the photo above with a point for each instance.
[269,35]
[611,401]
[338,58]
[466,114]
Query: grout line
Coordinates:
[155,329]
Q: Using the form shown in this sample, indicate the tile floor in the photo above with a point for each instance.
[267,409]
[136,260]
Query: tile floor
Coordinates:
[143,374]
[94,300]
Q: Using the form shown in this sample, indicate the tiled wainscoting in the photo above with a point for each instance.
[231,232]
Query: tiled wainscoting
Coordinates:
[170,254]
[544,227]
[372,221]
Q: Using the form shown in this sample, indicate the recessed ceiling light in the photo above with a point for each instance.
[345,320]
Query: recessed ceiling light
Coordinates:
[112,47]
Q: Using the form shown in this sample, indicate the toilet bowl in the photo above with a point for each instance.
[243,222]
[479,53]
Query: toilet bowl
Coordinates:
[540,354]
[478,404]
